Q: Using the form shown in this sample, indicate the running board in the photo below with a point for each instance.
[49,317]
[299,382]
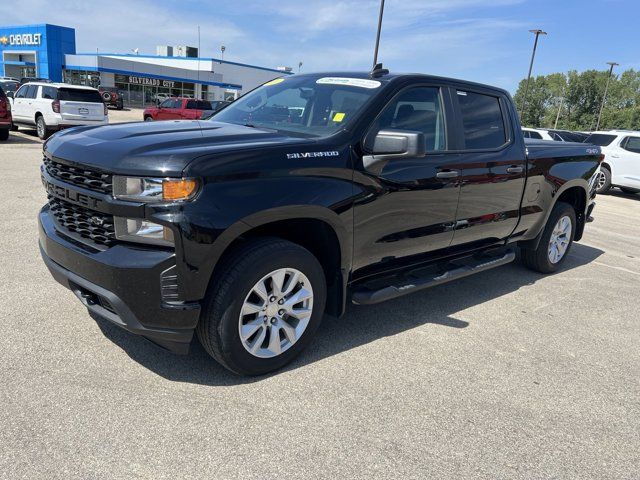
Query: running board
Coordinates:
[412,283]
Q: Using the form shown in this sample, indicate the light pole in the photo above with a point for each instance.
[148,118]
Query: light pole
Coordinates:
[375,53]
[222,49]
[299,66]
[606,89]
[537,33]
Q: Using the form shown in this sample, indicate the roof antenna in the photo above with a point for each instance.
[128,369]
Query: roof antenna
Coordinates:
[377,70]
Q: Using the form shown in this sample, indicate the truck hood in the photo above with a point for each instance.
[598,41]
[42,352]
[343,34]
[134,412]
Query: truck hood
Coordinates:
[152,148]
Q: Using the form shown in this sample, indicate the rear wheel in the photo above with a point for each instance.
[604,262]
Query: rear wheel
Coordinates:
[4,134]
[42,129]
[630,191]
[603,183]
[263,307]
[556,241]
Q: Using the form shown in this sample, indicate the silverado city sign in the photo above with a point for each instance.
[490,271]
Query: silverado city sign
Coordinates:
[22,39]
[154,82]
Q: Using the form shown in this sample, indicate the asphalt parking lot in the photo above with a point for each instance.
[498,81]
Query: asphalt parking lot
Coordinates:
[507,374]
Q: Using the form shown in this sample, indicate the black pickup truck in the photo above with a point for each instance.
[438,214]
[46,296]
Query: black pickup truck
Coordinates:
[309,192]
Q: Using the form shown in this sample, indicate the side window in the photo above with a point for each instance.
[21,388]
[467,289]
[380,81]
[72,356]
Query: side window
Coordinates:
[177,103]
[167,104]
[535,135]
[482,121]
[526,134]
[418,109]
[632,144]
[192,105]
[32,91]
[49,93]
[22,92]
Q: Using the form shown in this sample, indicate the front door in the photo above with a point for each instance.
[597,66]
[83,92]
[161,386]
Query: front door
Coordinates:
[493,169]
[409,207]
[19,104]
[626,166]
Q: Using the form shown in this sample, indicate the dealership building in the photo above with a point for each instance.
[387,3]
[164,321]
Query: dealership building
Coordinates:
[49,51]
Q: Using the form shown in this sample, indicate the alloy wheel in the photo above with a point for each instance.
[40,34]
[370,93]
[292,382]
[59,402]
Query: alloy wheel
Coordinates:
[276,313]
[560,239]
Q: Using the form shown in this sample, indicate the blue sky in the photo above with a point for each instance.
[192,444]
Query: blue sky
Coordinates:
[481,40]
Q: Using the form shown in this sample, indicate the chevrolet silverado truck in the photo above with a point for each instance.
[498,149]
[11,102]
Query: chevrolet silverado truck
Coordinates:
[309,192]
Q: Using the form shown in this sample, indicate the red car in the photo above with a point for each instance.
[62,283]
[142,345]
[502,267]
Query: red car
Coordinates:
[5,116]
[177,108]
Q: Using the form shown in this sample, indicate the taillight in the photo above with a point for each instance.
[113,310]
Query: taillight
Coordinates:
[106,110]
[602,157]
[55,106]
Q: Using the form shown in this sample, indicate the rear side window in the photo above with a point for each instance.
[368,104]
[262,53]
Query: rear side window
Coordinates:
[600,139]
[49,93]
[79,95]
[632,144]
[192,105]
[482,121]
[204,105]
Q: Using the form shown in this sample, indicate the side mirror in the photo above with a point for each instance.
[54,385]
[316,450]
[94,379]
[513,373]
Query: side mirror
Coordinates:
[390,144]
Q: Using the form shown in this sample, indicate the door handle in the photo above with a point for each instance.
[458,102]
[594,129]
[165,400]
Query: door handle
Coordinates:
[515,169]
[448,174]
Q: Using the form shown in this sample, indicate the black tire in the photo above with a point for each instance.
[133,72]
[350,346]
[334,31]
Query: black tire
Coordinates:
[119,106]
[148,119]
[4,134]
[629,191]
[605,186]
[106,96]
[42,129]
[218,329]
[14,127]
[538,259]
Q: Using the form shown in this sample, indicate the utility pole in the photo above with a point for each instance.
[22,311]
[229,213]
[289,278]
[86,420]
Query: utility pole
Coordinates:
[555,125]
[606,89]
[375,53]
[523,106]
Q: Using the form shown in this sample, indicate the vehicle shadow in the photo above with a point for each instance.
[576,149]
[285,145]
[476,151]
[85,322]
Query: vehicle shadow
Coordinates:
[359,326]
[24,137]
[620,194]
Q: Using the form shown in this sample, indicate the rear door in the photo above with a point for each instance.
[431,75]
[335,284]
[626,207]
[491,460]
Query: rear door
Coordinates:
[493,168]
[78,104]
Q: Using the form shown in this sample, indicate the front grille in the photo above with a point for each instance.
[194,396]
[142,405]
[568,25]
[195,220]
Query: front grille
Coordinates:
[80,176]
[88,224]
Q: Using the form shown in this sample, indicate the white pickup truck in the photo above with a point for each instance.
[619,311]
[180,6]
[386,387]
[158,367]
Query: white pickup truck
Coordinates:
[53,106]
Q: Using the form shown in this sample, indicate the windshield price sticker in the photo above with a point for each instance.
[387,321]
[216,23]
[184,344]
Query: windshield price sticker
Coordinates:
[350,82]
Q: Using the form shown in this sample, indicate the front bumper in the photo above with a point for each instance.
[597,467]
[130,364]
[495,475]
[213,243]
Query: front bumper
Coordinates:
[120,285]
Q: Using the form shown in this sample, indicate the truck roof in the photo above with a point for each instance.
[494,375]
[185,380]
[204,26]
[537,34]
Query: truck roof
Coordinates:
[388,77]
[60,85]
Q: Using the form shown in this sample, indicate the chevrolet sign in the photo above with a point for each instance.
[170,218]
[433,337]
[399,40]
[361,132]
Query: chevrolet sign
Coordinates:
[29,39]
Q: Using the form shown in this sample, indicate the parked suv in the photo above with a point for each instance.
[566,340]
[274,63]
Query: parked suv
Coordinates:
[52,106]
[112,96]
[621,166]
[5,116]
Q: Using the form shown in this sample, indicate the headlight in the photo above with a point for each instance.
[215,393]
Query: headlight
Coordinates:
[148,190]
[142,231]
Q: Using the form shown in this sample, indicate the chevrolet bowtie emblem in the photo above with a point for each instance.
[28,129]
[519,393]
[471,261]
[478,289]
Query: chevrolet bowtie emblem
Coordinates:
[4,40]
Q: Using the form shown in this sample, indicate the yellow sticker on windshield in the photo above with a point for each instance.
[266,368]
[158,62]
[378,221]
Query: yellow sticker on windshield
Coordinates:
[338,117]
[274,82]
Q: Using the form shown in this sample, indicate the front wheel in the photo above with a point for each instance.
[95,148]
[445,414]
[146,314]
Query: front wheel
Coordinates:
[148,119]
[556,241]
[263,307]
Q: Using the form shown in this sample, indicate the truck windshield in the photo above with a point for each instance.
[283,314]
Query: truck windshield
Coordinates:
[310,106]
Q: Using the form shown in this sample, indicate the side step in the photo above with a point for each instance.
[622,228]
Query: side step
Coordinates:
[413,282]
